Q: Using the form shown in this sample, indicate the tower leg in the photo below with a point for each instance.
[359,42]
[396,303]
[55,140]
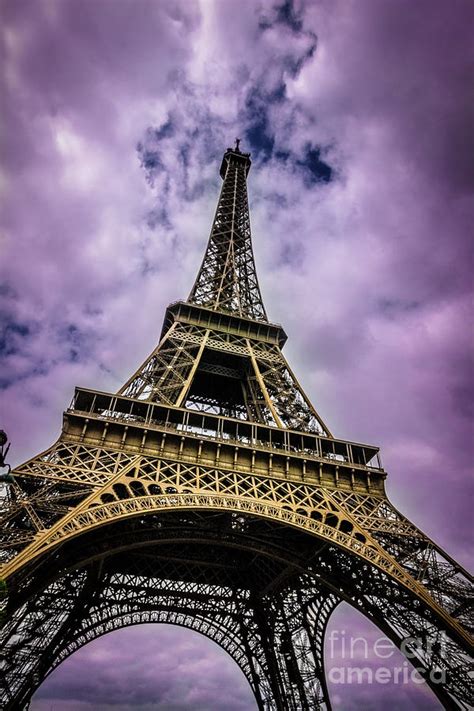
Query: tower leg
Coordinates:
[31,637]
[438,656]
[292,626]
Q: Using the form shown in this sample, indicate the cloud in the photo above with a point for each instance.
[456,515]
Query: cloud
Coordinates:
[172,669]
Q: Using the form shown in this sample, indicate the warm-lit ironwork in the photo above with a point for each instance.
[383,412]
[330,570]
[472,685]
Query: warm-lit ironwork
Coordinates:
[208,492]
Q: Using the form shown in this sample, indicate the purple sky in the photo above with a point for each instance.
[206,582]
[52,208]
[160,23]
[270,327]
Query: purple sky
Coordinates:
[359,116]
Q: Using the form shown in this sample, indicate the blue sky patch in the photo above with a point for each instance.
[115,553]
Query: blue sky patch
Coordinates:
[12,334]
[316,170]
[260,140]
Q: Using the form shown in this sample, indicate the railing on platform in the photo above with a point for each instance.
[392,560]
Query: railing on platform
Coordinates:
[203,424]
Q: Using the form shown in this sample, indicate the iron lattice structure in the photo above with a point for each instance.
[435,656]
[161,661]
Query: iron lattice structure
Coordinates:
[209,493]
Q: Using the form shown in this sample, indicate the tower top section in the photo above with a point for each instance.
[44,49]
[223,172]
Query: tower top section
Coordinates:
[235,155]
[227,280]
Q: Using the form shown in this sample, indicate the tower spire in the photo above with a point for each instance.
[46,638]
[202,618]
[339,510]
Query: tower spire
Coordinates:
[227,279]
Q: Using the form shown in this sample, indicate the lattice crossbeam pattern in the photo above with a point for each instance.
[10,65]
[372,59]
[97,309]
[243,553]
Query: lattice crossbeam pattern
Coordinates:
[277,642]
[227,279]
[251,378]
[360,524]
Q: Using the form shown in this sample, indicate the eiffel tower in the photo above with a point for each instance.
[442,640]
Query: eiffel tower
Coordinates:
[209,493]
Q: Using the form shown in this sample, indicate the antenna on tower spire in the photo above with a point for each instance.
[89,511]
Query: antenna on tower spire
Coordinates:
[237,145]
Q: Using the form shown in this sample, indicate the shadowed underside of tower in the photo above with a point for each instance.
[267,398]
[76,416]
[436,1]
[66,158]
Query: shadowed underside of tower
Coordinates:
[208,492]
